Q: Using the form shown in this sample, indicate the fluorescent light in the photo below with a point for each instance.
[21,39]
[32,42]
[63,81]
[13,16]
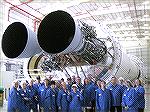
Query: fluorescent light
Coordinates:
[119,18]
[146,2]
[146,24]
[113,7]
[118,33]
[146,32]
[146,16]
[146,37]
[123,27]
[130,26]
[133,32]
[128,17]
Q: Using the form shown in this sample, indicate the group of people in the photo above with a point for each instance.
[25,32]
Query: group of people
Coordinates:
[73,96]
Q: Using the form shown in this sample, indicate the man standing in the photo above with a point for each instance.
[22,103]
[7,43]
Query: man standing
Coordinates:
[62,101]
[69,84]
[14,98]
[103,98]
[140,93]
[53,97]
[45,96]
[75,98]
[33,95]
[116,95]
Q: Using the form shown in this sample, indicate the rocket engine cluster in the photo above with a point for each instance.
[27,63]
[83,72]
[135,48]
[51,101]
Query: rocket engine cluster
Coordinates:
[65,42]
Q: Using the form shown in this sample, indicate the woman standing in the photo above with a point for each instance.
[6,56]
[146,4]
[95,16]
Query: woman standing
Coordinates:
[45,96]
[53,97]
[140,93]
[62,101]
[129,99]
[103,98]
[75,98]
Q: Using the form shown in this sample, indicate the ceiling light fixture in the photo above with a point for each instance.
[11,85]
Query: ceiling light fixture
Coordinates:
[146,37]
[128,17]
[146,32]
[119,18]
[133,33]
[146,16]
[146,2]
[131,26]
[146,24]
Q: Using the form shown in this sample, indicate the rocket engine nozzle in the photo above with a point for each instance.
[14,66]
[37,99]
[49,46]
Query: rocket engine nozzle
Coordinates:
[14,40]
[56,32]
[19,41]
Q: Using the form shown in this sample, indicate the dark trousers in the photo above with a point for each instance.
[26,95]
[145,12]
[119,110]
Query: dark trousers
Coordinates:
[140,110]
[93,106]
[118,108]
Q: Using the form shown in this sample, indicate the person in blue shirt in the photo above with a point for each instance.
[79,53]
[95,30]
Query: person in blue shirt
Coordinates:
[93,91]
[103,98]
[122,83]
[25,97]
[33,95]
[38,85]
[14,98]
[140,92]
[45,97]
[75,98]
[87,95]
[38,82]
[53,97]
[129,99]
[62,101]
[116,95]
[69,84]
[80,86]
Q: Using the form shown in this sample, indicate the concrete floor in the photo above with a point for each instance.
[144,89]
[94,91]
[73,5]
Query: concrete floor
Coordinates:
[4,107]
[147,96]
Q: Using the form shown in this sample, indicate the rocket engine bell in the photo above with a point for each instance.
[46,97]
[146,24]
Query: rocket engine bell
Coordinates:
[70,42]
[19,41]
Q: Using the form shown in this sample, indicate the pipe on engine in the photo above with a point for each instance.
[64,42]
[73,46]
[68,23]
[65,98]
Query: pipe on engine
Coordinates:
[18,41]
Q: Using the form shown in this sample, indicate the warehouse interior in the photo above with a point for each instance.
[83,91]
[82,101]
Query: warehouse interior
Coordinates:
[128,19]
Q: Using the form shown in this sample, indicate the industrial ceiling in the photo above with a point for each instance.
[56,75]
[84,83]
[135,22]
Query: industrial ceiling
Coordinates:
[129,19]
